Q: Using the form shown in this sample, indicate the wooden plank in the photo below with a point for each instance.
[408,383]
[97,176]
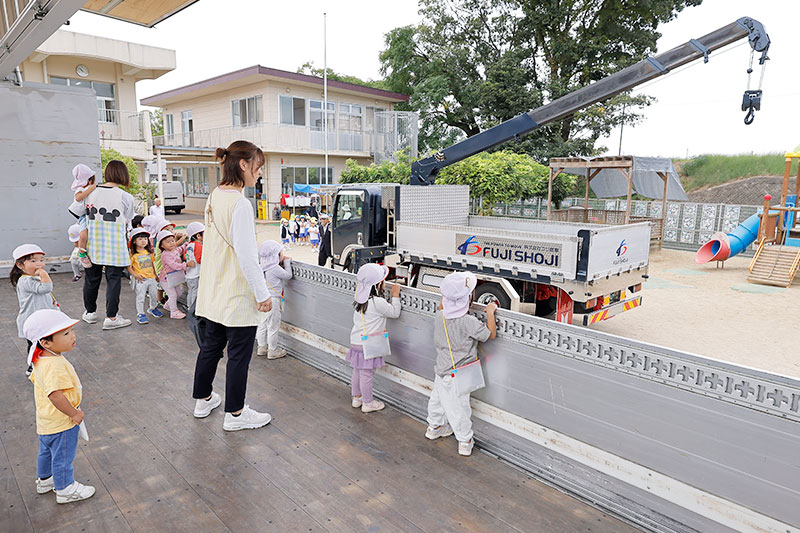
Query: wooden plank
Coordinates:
[13,514]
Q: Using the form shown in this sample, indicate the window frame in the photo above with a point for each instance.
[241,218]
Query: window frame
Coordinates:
[250,105]
[294,115]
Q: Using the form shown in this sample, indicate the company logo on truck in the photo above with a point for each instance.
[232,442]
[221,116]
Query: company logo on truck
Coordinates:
[622,249]
[514,251]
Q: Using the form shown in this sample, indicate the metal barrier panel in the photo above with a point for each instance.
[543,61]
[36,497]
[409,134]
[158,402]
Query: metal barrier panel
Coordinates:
[723,440]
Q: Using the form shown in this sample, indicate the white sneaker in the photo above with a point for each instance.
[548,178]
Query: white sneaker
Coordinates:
[277,353]
[249,419]
[442,431]
[374,405]
[262,351]
[357,402]
[203,408]
[465,448]
[43,486]
[116,322]
[74,493]
[89,318]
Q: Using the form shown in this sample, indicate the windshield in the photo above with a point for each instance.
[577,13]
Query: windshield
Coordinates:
[348,206]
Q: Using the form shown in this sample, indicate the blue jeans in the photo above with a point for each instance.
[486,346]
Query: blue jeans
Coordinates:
[56,453]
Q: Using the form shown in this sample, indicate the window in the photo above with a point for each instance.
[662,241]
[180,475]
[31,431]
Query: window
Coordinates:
[369,118]
[293,110]
[169,127]
[348,206]
[315,114]
[350,117]
[177,175]
[303,176]
[195,182]
[187,127]
[246,112]
[106,103]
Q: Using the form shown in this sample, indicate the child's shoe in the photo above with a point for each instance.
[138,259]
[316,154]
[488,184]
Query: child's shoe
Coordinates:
[177,315]
[43,486]
[277,353]
[442,431]
[74,493]
[141,318]
[374,405]
[155,312]
[262,351]
[83,257]
[203,408]
[465,448]
[76,278]
[357,402]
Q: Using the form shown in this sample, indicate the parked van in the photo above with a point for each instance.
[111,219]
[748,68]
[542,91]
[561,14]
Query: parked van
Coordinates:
[173,197]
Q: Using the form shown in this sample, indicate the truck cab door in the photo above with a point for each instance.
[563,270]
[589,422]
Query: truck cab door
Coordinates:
[350,223]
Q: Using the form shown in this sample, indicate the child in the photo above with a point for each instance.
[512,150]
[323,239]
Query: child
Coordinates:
[285,233]
[58,393]
[82,186]
[194,252]
[171,259]
[277,268]
[303,231]
[293,228]
[136,222]
[369,317]
[33,284]
[144,275]
[455,336]
[313,235]
[74,233]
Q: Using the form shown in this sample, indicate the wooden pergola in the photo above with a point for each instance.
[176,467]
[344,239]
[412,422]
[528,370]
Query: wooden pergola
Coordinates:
[592,167]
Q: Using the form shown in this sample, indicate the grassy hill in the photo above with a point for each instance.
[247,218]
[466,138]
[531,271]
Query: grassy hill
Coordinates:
[709,170]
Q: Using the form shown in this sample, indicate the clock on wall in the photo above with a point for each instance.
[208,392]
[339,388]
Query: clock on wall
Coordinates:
[82,71]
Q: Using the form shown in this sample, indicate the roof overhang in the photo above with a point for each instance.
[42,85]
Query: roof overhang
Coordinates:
[24,26]
[257,73]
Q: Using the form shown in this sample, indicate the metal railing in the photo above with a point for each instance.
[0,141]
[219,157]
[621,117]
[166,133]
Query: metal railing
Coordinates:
[115,124]
[274,137]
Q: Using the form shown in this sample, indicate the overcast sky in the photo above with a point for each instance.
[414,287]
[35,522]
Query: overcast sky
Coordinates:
[698,109]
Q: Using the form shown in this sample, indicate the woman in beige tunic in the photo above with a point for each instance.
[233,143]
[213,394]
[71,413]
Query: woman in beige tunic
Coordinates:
[232,294]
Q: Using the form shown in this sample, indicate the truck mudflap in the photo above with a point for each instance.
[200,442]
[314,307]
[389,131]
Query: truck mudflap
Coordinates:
[612,310]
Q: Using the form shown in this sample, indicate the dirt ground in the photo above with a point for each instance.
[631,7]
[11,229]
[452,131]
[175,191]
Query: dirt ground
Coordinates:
[696,308]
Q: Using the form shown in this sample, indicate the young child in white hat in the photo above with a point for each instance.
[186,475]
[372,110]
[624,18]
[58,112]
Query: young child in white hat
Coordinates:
[369,317]
[194,252]
[277,268]
[32,282]
[58,393]
[82,185]
[448,411]
[74,233]
[285,236]
[144,275]
[173,271]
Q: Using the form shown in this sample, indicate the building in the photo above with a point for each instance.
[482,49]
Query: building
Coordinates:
[111,68]
[282,112]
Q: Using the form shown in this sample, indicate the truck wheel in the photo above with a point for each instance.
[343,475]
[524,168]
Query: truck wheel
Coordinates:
[489,292]
[178,211]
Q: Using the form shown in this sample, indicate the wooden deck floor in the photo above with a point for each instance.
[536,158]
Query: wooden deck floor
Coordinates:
[319,466]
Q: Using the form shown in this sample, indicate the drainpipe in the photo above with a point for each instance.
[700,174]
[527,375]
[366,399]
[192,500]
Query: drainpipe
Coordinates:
[18,74]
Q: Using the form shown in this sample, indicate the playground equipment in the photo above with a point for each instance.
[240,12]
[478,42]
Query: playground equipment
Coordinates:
[775,227]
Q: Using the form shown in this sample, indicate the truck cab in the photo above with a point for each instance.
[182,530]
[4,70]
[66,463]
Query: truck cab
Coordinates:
[359,222]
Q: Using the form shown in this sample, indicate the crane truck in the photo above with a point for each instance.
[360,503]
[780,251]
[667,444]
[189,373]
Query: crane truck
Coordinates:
[538,267]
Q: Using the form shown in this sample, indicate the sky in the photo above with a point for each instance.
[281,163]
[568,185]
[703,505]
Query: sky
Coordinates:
[697,109]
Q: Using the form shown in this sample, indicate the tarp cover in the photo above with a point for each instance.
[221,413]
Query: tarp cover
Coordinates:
[610,183]
[298,187]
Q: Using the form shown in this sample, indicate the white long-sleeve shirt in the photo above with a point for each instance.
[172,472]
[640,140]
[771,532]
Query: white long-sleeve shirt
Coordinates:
[243,238]
[374,317]
[275,276]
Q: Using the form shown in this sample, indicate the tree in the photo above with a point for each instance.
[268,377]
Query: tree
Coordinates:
[475,63]
[157,122]
[136,189]
[309,68]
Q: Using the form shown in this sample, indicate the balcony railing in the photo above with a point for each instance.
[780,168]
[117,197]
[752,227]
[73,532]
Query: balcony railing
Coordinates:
[118,125]
[274,137]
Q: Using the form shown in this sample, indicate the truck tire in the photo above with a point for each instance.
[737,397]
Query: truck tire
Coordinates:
[489,292]
[178,211]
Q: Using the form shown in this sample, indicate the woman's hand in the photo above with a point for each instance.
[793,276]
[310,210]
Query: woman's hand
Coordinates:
[265,306]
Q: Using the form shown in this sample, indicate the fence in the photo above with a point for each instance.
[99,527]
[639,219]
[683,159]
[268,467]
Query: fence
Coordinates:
[687,225]
[115,124]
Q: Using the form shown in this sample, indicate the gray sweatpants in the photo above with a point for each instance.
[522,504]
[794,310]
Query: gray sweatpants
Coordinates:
[143,288]
[191,295]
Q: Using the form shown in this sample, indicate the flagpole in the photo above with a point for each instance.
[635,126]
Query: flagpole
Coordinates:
[325,89]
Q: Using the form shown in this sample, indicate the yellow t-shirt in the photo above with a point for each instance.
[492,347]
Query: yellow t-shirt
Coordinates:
[142,264]
[52,373]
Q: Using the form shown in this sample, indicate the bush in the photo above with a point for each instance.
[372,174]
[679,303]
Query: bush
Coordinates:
[707,170]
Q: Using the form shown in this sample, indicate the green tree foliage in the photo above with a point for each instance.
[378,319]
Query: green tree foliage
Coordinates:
[496,177]
[157,122]
[475,63]
[309,68]
[109,154]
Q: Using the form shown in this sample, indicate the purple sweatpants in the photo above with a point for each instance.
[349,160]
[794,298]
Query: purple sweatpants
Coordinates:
[361,383]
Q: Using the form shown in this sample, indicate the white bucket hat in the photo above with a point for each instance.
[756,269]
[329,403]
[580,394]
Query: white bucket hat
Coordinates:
[163,234]
[43,323]
[74,233]
[194,228]
[456,289]
[269,254]
[26,249]
[369,275]
[152,223]
[135,232]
